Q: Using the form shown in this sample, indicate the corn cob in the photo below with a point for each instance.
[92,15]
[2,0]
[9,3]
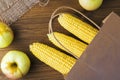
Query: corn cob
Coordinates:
[67,43]
[77,27]
[52,57]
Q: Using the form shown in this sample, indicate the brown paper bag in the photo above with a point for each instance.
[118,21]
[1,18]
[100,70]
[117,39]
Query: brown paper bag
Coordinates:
[101,60]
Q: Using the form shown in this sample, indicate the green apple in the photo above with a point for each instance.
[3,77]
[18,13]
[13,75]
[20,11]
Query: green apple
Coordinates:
[90,5]
[6,35]
[15,64]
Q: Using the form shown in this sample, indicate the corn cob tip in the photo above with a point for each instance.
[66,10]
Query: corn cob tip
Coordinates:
[77,27]
[62,15]
[31,46]
[49,34]
[67,43]
[52,57]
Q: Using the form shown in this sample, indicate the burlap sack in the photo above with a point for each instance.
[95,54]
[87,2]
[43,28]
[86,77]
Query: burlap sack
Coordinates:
[11,10]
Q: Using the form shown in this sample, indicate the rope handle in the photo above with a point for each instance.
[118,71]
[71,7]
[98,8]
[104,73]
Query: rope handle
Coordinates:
[55,14]
[43,3]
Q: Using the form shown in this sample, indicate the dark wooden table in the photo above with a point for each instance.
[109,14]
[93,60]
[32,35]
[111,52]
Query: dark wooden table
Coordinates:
[33,27]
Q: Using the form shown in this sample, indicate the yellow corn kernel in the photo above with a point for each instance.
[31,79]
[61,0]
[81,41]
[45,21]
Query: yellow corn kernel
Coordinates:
[77,27]
[52,57]
[67,43]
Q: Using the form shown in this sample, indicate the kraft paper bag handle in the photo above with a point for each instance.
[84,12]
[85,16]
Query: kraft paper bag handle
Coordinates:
[55,14]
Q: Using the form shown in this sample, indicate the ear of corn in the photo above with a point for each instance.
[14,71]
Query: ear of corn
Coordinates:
[77,27]
[52,57]
[67,43]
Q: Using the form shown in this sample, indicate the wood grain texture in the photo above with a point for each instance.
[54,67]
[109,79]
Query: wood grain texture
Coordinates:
[33,27]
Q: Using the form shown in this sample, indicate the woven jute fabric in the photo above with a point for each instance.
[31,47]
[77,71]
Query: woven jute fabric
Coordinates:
[11,10]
